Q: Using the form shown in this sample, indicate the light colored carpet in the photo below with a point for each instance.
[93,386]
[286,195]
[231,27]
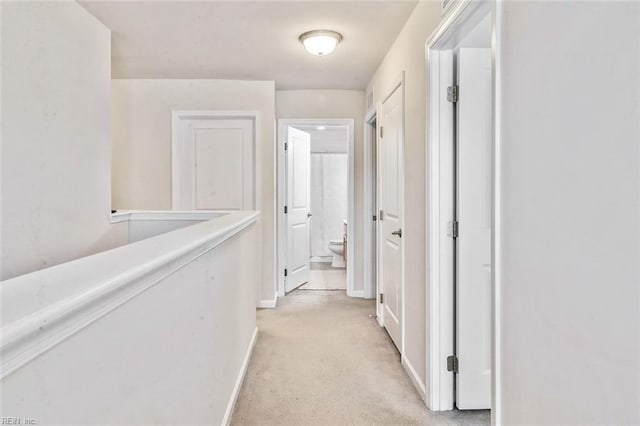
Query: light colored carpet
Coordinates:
[326,279]
[320,360]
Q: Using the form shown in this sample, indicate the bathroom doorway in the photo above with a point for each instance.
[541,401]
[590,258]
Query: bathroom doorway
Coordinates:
[316,205]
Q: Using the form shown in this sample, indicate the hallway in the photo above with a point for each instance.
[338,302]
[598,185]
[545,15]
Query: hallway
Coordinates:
[321,360]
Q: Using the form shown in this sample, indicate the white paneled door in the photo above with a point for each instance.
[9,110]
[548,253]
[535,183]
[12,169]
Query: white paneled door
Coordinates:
[298,204]
[390,203]
[473,245]
[213,164]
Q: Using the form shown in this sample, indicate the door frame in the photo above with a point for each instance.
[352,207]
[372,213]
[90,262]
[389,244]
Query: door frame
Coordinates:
[439,198]
[370,210]
[176,148]
[281,165]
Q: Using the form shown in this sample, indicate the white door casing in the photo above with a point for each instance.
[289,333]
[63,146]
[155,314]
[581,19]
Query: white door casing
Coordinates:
[461,21]
[283,126]
[474,214]
[370,211]
[213,161]
[391,175]
[298,206]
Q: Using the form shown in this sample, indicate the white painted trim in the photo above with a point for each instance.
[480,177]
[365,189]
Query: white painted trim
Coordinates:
[440,384]
[228,414]
[440,247]
[357,293]
[165,215]
[176,151]
[402,206]
[268,304]
[35,329]
[413,375]
[281,197]
[448,6]
[370,210]
[398,83]
[496,225]
[378,242]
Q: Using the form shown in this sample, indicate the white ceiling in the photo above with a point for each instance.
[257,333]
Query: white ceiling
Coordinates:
[250,40]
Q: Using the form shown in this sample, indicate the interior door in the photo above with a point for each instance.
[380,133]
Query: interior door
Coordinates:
[473,245]
[214,160]
[298,205]
[390,204]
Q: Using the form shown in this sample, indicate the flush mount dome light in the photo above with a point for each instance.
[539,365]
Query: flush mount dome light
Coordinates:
[320,42]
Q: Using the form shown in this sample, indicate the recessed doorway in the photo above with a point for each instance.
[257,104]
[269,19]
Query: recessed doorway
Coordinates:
[460,210]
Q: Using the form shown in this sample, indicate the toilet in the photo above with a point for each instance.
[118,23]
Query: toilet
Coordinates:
[337,248]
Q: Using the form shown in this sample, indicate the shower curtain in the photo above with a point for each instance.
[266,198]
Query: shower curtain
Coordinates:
[328,201]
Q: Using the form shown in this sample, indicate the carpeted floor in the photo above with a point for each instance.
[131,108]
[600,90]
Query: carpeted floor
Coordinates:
[320,360]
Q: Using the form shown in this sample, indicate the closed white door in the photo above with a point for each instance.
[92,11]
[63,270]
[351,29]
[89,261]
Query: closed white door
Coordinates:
[473,245]
[390,204]
[298,205]
[213,164]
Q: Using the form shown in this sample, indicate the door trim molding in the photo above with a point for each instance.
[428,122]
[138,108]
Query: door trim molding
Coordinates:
[439,392]
[370,209]
[176,152]
[281,237]
[439,201]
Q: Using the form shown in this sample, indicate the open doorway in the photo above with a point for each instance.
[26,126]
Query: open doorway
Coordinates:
[460,210]
[316,204]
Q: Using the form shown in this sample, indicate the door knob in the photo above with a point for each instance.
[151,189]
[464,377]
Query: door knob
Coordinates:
[309,215]
[398,233]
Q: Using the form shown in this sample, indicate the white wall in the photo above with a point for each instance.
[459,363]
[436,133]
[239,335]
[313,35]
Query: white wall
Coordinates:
[143,229]
[407,54]
[167,342]
[142,144]
[569,260]
[56,61]
[334,104]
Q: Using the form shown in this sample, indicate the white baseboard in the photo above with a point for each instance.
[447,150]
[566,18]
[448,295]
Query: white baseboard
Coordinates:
[415,379]
[243,371]
[268,304]
[356,293]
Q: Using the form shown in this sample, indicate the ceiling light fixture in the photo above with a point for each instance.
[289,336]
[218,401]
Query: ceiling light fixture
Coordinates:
[320,42]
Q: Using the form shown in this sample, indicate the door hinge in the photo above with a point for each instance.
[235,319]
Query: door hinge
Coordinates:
[381,216]
[453,94]
[286,272]
[381,131]
[286,146]
[286,209]
[381,298]
[375,218]
[453,229]
[452,363]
